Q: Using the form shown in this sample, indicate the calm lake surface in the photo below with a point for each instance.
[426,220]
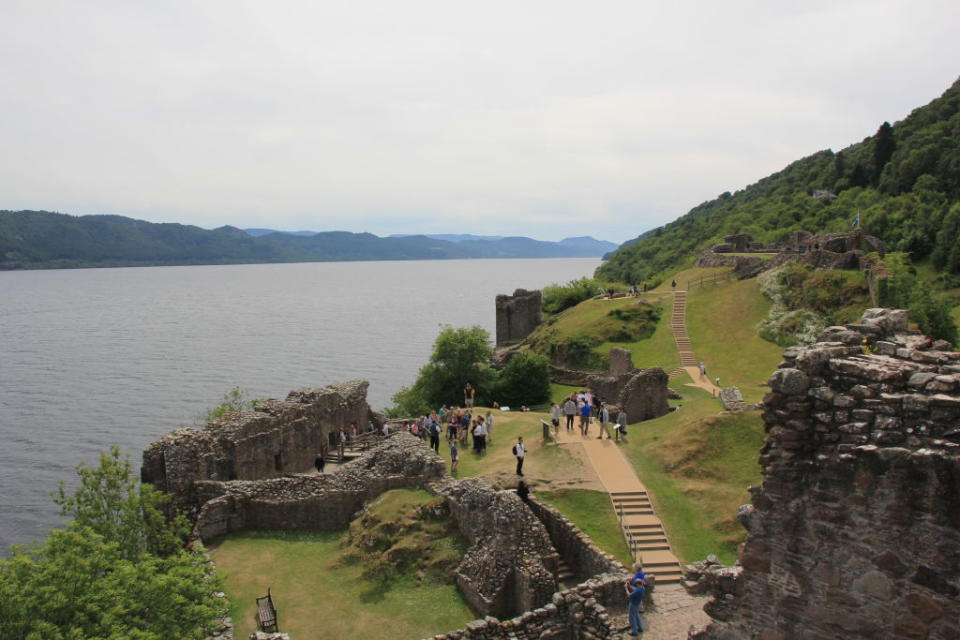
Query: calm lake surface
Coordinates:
[95,357]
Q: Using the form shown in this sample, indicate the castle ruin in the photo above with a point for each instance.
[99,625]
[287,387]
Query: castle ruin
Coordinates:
[855,530]
[517,316]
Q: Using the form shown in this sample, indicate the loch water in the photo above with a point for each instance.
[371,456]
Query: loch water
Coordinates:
[96,357]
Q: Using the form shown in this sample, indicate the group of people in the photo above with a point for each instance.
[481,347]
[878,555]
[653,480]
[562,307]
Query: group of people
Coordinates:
[587,405]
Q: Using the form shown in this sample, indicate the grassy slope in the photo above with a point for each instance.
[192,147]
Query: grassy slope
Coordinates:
[697,466]
[722,323]
[591,317]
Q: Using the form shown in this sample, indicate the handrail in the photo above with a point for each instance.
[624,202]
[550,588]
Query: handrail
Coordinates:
[710,279]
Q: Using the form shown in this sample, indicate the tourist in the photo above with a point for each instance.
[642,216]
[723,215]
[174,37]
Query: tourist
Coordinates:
[454,456]
[319,462]
[523,491]
[435,437]
[353,431]
[635,593]
[342,442]
[488,426]
[604,419]
[519,452]
[469,393]
[622,424]
[639,575]
[703,371]
[673,285]
[478,436]
[555,417]
[570,410]
[585,419]
[386,429]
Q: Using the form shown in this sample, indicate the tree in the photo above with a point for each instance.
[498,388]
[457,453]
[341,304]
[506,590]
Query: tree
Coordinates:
[117,571]
[524,381]
[883,147]
[459,356]
[113,504]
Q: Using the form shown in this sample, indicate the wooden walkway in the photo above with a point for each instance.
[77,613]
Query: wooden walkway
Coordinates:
[641,527]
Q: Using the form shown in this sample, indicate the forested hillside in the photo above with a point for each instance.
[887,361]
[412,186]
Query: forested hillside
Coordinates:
[41,239]
[903,182]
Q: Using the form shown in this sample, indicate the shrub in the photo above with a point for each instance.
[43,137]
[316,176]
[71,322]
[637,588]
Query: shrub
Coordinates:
[557,297]
[524,381]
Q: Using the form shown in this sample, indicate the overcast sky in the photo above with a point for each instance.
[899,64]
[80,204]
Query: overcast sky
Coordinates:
[541,118]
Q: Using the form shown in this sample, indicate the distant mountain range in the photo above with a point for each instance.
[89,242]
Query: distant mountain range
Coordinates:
[46,240]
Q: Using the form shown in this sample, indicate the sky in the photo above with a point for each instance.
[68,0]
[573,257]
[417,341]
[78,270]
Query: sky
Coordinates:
[547,119]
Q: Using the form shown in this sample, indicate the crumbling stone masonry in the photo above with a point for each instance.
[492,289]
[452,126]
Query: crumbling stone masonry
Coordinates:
[581,613]
[855,531]
[325,502]
[517,316]
[511,566]
[641,392]
[280,436]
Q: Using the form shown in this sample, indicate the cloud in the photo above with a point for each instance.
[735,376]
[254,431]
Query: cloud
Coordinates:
[547,119]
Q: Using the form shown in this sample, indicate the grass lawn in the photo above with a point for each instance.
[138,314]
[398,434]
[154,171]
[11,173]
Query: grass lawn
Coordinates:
[594,514]
[722,323]
[697,466]
[320,598]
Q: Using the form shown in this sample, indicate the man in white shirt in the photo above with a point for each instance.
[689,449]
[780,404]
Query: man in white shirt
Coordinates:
[519,452]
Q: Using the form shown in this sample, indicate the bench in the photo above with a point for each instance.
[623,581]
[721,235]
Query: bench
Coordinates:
[266,613]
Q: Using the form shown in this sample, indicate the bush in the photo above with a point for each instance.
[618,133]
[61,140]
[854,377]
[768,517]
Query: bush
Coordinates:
[557,297]
[524,381]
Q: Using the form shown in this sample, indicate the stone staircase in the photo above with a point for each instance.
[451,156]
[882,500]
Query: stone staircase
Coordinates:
[565,575]
[678,323]
[645,536]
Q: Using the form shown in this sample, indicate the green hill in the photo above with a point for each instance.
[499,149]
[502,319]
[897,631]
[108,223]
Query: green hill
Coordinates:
[903,182]
[44,240]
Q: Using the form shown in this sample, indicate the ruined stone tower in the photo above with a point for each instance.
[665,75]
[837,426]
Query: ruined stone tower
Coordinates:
[517,316]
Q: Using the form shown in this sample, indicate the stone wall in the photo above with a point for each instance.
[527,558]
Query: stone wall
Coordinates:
[855,531]
[583,557]
[511,566]
[517,315]
[278,437]
[581,613]
[326,502]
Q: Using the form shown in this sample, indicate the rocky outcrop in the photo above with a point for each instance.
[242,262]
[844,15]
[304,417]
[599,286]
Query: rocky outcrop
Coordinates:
[280,436]
[517,316]
[855,531]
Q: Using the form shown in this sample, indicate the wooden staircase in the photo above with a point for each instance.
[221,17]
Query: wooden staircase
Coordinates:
[645,536]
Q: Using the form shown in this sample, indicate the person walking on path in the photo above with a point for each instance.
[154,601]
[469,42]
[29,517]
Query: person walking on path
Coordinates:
[621,424]
[635,592]
[703,371]
[454,456]
[604,421]
[320,462]
[435,436]
[555,411]
[569,410]
[584,419]
[673,285]
[488,427]
[519,452]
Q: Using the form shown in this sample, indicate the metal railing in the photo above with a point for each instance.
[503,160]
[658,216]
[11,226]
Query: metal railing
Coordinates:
[631,542]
